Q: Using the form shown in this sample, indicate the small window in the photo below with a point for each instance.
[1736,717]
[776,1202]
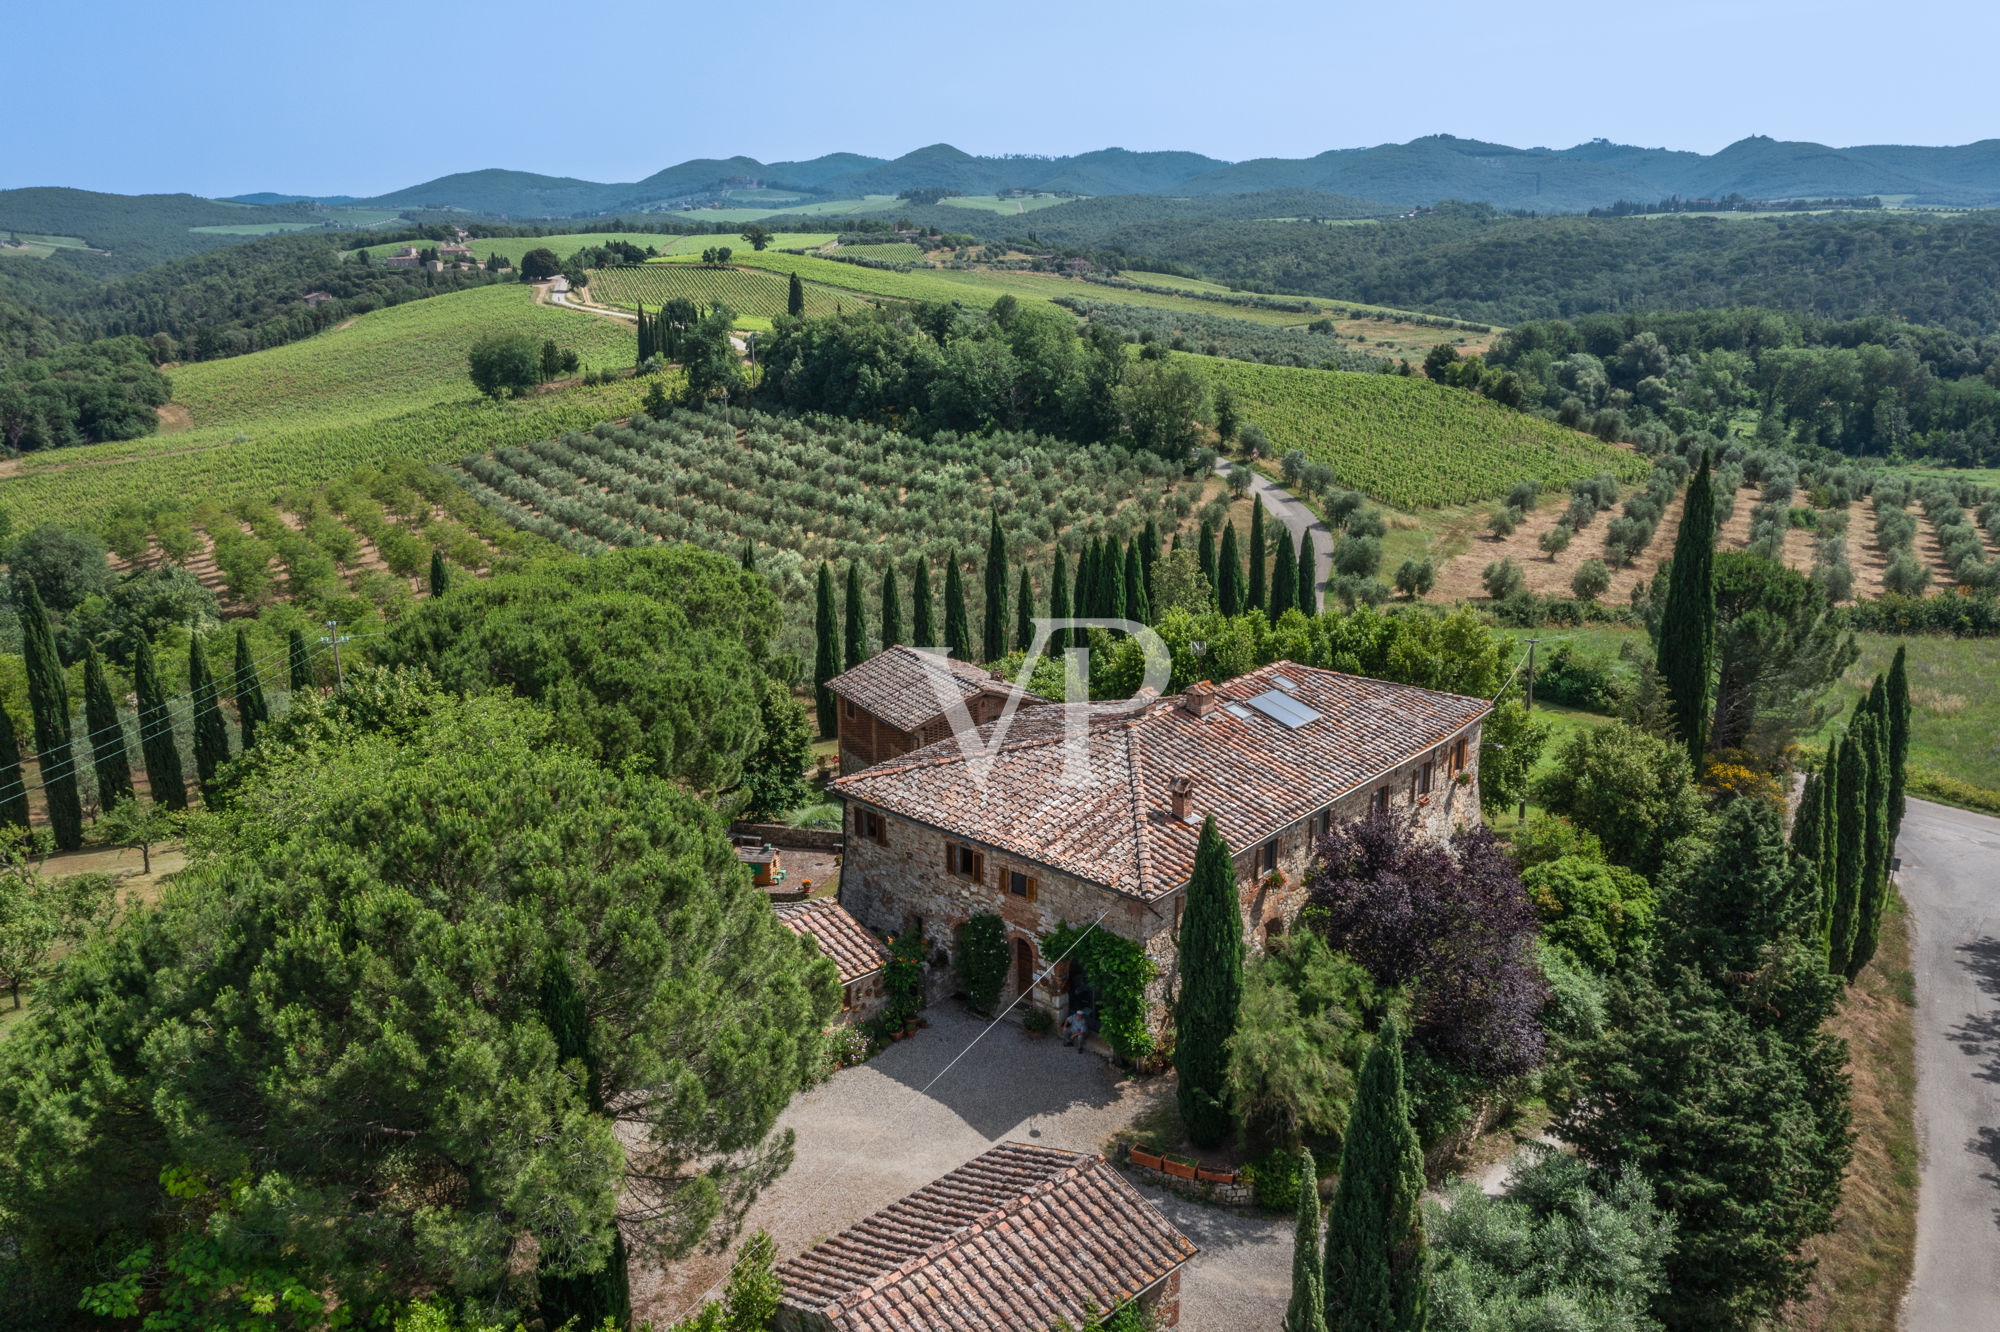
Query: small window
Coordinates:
[1323,824]
[1022,885]
[1382,800]
[846,998]
[1424,779]
[1458,755]
[1267,859]
[964,861]
[869,824]
[847,704]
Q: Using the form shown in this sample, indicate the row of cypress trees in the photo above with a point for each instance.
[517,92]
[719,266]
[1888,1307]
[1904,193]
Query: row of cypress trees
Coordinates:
[1849,815]
[110,756]
[660,333]
[1237,589]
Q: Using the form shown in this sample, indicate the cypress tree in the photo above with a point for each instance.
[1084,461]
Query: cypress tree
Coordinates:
[857,619]
[211,737]
[1229,574]
[1375,1228]
[795,298]
[1149,554]
[1086,573]
[1899,740]
[588,1297]
[1111,579]
[748,557]
[1807,823]
[440,576]
[1686,652]
[1874,838]
[1253,597]
[994,639]
[923,625]
[1204,553]
[892,609]
[1829,840]
[13,782]
[251,711]
[1136,606]
[957,624]
[1211,967]
[1306,571]
[164,775]
[826,649]
[1307,1310]
[298,663]
[1284,580]
[1059,605]
[1024,613]
[48,699]
[1853,828]
[107,733]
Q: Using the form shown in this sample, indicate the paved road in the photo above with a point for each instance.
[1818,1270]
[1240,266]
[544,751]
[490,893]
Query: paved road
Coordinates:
[1297,518]
[1951,880]
[874,1133]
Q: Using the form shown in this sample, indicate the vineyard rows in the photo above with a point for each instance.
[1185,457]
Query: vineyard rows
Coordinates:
[747,291]
[1410,443]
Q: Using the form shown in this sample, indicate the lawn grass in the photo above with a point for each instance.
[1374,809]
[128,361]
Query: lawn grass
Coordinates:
[1865,1263]
[1954,702]
[392,384]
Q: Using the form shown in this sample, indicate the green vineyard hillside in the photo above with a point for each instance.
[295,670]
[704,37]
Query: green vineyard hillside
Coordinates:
[747,291]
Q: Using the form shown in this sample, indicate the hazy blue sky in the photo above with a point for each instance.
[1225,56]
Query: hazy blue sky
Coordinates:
[223,97]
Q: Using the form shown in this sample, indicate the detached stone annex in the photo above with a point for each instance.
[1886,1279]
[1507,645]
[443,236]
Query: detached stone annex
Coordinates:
[1092,813]
[902,699]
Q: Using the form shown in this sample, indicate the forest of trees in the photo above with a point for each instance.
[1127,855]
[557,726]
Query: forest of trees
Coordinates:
[81,394]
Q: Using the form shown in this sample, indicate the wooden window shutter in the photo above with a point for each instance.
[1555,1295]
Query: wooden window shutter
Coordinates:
[1034,887]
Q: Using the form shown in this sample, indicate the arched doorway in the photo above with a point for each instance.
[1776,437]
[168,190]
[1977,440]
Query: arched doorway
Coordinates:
[1024,966]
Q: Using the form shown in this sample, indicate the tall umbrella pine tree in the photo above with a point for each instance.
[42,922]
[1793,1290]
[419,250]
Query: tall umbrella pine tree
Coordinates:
[892,610]
[1874,840]
[1253,594]
[1229,574]
[1374,1276]
[251,710]
[1059,606]
[1284,581]
[48,700]
[298,663]
[1024,613]
[826,649]
[13,782]
[107,733]
[923,620]
[994,637]
[1137,606]
[1898,691]
[1686,651]
[1307,571]
[1307,1310]
[957,625]
[165,777]
[211,737]
[1211,967]
[1850,822]
[857,620]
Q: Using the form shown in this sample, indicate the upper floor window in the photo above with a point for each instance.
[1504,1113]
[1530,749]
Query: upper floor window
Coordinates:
[848,708]
[964,862]
[869,824]
[1023,885]
[1380,803]
[1267,859]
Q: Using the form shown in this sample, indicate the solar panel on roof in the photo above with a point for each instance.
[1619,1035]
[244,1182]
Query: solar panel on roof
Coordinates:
[1283,709]
[1237,710]
[1285,682]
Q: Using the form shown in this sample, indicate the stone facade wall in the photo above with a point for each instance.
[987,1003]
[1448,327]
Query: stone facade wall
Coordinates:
[889,884]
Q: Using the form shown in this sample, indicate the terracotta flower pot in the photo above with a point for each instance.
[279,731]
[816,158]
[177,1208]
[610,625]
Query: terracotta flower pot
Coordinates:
[1179,1169]
[1145,1158]
[895,1035]
[1215,1176]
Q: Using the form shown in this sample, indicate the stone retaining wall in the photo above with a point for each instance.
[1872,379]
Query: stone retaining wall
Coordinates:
[796,839]
[1226,1195]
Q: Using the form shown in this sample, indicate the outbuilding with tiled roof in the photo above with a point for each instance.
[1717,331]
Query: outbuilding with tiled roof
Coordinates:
[859,956]
[1091,813]
[1014,1240]
[902,699]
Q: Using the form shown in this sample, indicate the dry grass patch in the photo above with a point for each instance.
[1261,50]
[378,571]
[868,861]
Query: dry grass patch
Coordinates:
[1864,1264]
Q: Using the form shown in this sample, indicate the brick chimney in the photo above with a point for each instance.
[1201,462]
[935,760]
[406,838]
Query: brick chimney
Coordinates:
[1201,699]
[1180,799]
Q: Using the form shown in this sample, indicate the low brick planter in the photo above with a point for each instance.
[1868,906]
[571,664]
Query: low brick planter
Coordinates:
[1214,1186]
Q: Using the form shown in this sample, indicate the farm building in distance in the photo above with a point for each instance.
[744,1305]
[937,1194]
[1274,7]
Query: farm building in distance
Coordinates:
[902,699]
[1096,818]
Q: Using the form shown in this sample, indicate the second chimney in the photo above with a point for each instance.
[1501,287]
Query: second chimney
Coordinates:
[1201,699]
[1180,798]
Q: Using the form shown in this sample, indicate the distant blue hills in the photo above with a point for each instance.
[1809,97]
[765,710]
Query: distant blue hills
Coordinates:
[1418,173]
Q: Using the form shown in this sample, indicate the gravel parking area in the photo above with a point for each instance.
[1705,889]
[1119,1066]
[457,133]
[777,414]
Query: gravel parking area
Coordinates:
[873,1134]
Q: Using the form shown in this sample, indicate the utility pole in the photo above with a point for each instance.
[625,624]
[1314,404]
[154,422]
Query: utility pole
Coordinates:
[1530,708]
[336,638]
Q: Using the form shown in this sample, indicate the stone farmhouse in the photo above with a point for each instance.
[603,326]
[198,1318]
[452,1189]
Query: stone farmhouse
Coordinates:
[1092,813]
[902,699]
[1012,1241]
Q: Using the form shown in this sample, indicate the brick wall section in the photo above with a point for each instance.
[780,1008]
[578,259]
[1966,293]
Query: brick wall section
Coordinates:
[888,884]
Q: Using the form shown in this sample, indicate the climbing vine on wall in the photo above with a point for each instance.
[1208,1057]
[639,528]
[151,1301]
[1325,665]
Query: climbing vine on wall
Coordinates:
[1119,972]
[981,959]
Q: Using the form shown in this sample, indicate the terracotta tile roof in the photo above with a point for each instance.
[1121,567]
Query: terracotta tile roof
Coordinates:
[1099,810]
[896,685]
[854,950]
[1010,1241]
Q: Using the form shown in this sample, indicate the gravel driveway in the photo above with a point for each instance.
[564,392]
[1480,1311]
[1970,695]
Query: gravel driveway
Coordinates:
[873,1134]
